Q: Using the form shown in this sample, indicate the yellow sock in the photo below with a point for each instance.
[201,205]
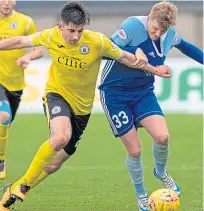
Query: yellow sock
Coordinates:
[4,129]
[40,178]
[43,157]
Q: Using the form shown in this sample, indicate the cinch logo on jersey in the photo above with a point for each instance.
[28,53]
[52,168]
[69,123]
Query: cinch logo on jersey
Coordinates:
[4,37]
[121,33]
[72,62]
[84,49]
[114,46]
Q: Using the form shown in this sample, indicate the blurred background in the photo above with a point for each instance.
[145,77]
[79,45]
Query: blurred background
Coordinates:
[182,93]
[107,15]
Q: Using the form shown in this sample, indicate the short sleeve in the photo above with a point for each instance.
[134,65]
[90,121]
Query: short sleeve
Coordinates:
[109,49]
[31,27]
[41,38]
[130,33]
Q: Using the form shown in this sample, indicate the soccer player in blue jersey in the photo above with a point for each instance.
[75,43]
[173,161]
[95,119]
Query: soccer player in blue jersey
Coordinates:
[128,98]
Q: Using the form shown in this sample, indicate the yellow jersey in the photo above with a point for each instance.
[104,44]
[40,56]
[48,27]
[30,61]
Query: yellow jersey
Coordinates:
[74,69]
[11,75]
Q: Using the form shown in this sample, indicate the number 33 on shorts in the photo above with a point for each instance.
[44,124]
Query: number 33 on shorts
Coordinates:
[120,119]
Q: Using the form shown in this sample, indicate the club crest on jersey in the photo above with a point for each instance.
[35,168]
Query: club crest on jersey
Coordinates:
[38,35]
[114,46]
[13,25]
[56,110]
[121,33]
[84,49]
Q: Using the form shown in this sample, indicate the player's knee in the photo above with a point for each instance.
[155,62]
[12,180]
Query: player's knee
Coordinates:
[162,139]
[134,153]
[5,113]
[59,141]
[53,168]
[4,117]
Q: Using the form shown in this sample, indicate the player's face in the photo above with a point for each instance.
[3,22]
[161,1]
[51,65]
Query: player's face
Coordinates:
[6,7]
[71,33]
[154,29]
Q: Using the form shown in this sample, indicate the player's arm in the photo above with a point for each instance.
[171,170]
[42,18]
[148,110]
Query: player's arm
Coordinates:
[125,36]
[141,58]
[130,60]
[37,39]
[162,70]
[22,42]
[15,43]
[185,47]
[36,53]
[190,50]
[110,50]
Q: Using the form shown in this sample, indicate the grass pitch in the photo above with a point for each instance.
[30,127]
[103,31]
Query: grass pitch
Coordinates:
[95,178]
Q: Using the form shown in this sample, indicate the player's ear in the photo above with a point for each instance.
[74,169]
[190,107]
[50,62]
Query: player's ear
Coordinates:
[59,24]
[14,2]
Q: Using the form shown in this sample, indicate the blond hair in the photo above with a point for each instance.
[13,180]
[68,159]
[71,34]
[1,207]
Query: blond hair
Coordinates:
[165,13]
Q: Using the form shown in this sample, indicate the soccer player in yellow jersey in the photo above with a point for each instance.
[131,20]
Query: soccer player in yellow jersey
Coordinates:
[12,64]
[76,55]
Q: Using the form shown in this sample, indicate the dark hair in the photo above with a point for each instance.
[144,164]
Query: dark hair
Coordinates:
[73,12]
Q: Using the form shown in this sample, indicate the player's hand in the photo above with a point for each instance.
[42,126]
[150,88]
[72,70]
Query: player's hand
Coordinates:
[163,71]
[141,59]
[23,61]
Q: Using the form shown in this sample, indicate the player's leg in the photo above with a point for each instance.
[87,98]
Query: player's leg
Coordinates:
[58,114]
[120,117]
[135,168]
[150,116]
[61,130]
[157,128]
[79,124]
[5,110]
[5,120]
[56,164]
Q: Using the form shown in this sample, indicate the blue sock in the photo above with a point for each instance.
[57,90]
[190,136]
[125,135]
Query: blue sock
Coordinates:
[160,153]
[136,171]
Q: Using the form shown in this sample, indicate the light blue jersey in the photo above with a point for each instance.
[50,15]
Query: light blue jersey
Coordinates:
[133,34]
[127,95]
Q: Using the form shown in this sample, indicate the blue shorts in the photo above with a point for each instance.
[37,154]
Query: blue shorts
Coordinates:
[125,111]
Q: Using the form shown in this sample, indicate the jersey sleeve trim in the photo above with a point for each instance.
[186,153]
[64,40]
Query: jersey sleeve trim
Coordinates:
[28,25]
[30,40]
[49,37]
[102,43]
